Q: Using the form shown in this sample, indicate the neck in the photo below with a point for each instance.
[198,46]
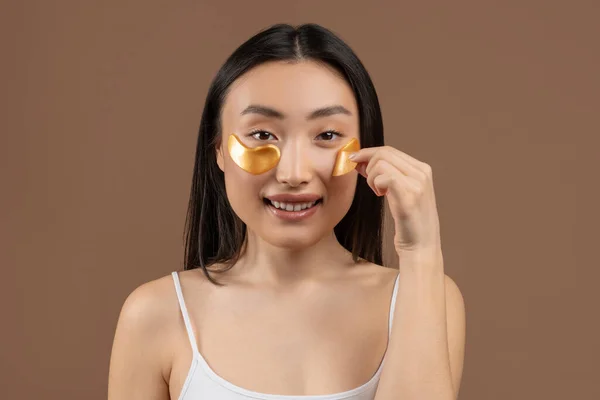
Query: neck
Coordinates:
[284,266]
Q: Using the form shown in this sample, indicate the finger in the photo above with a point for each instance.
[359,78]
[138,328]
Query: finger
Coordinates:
[382,166]
[381,183]
[395,158]
[397,188]
[376,172]
[363,155]
[411,160]
[361,168]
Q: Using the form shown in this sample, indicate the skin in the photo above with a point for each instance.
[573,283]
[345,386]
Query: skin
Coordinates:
[296,301]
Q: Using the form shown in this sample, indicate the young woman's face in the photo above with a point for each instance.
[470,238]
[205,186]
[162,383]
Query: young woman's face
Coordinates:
[275,103]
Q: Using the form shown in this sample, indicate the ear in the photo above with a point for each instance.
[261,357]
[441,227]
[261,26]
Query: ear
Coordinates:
[219,154]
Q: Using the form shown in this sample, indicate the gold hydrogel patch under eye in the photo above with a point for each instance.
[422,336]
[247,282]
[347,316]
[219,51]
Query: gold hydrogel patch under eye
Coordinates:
[343,165]
[257,160]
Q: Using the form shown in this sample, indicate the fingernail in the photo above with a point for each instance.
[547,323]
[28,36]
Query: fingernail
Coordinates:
[352,156]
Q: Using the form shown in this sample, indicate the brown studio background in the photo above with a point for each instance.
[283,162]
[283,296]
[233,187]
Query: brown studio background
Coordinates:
[101,103]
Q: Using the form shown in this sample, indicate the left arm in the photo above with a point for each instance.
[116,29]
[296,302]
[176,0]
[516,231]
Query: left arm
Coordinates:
[426,349]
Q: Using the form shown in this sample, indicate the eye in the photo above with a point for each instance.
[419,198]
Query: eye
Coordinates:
[261,135]
[329,135]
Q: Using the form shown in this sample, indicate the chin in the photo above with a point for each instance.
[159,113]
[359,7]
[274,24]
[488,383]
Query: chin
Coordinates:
[292,240]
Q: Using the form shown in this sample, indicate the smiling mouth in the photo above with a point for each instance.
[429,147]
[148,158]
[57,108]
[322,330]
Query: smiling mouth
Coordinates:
[292,206]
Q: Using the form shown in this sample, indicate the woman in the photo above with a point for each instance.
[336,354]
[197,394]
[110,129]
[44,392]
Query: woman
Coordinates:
[283,295]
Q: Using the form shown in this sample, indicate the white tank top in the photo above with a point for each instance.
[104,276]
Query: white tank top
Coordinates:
[203,383]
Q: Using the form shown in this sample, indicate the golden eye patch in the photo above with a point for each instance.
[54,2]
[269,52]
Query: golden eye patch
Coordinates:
[256,160]
[343,165]
[259,160]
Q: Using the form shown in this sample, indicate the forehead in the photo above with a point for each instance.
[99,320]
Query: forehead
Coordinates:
[293,88]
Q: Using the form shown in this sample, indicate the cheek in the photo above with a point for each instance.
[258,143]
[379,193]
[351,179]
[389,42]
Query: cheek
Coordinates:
[341,191]
[242,191]
[323,162]
[342,187]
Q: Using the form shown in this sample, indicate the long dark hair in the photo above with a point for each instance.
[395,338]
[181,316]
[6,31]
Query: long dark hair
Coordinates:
[213,232]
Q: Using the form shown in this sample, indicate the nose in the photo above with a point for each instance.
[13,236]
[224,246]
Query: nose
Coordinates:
[294,167]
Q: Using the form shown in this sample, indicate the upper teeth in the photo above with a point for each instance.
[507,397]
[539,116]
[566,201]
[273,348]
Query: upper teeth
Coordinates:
[292,206]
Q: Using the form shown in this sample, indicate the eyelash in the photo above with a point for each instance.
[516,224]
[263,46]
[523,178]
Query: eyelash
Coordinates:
[255,131]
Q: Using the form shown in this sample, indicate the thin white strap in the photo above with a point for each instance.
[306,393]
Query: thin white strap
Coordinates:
[393,305]
[184,312]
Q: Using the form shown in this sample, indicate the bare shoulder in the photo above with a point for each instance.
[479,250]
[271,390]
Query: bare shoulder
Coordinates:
[455,305]
[150,305]
[141,352]
[378,275]
[453,293]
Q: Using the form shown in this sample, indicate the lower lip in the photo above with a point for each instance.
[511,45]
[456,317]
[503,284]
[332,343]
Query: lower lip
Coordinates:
[293,215]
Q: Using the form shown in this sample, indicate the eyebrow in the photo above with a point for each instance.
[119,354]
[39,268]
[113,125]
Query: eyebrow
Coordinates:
[318,113]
